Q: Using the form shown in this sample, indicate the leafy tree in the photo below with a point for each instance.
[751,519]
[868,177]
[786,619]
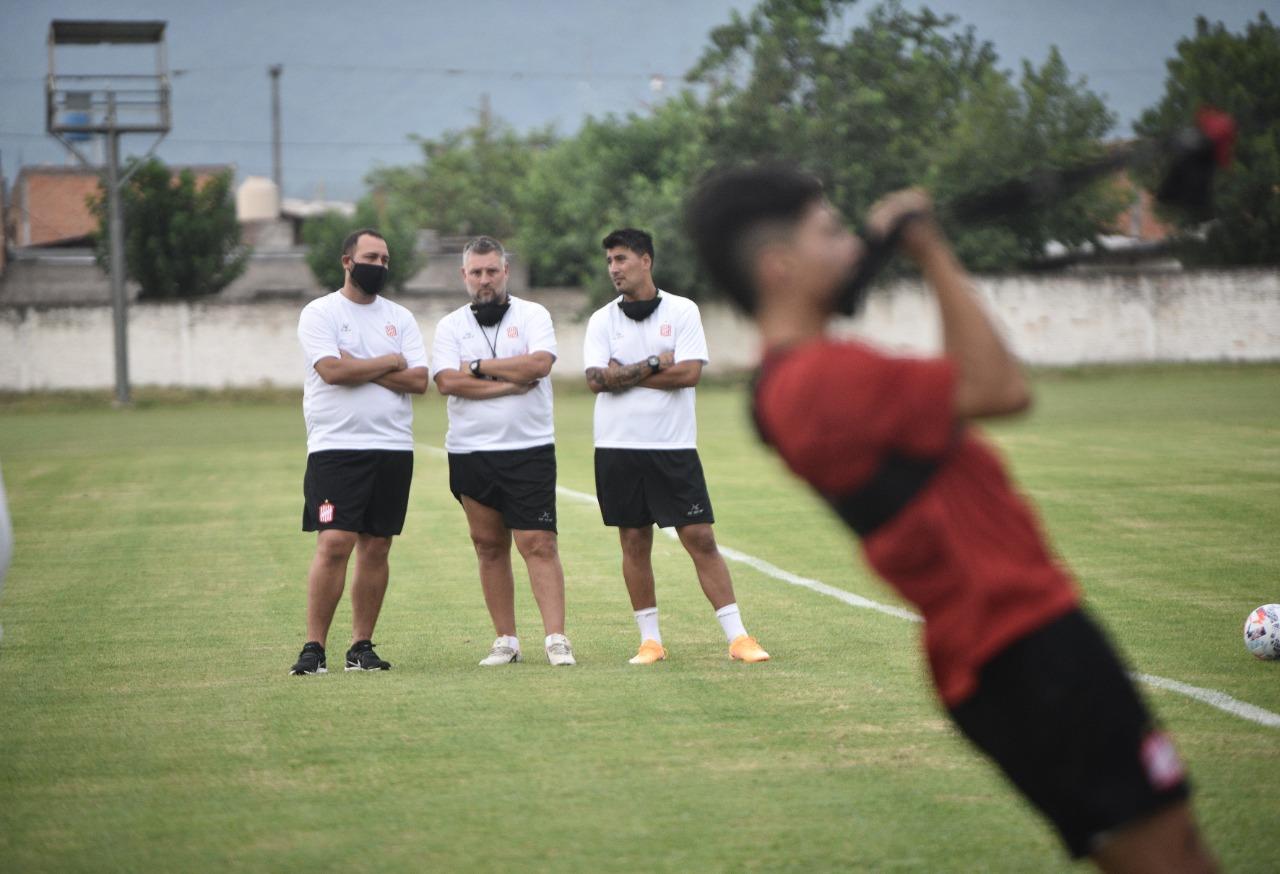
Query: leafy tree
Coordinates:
[631,172]
[180,239]
[466,182]
[1240,74]
[325,233]
[901,99]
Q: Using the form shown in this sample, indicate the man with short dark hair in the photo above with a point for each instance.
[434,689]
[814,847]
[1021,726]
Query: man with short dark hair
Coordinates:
[492,359]
[887,441]
[644,353]
[364,357]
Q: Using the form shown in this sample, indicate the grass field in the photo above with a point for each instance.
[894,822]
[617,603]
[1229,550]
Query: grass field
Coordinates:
[156,602]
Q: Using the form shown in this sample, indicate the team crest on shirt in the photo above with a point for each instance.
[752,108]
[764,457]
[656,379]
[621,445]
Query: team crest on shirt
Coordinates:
[1164,768]
[391,330]
[325,513]
[513,332]
[665,330]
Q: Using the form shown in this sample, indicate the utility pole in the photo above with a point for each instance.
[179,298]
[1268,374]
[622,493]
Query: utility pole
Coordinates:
[276,165]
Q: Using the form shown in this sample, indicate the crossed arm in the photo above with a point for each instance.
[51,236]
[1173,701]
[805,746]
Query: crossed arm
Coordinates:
[390,371]
[507,376]
[620,377]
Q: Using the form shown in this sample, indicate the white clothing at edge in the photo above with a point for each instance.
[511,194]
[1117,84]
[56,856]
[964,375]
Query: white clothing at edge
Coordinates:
[364,416]
[512,421]
[646,418]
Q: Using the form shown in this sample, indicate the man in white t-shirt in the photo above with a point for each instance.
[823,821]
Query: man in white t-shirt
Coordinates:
[364,357]
[643,354]
[493,358]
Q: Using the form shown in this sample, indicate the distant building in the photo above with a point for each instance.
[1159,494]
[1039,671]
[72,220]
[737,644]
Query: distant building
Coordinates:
[49,205]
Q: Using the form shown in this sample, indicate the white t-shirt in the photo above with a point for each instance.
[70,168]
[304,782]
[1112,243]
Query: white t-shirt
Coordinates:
[357,416]
[508,422]
[640,417]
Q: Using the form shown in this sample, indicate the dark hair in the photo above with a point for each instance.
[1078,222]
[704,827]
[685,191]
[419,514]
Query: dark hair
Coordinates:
[349,244]
[729,209]
[636,240]
[483,246]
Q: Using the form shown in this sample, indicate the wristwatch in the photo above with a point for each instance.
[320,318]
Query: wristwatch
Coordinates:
[654,362]
[475,367]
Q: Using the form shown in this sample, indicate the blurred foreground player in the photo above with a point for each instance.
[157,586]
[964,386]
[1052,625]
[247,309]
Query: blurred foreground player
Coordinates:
[885,440]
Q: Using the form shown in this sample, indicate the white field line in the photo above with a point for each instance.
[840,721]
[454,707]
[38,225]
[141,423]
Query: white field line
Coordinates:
[1221,700]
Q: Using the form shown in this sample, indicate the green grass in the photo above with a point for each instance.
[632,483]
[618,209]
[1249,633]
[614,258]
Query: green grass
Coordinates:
[156,600]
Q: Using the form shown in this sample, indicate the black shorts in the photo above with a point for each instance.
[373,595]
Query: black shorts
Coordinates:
[362,490]
[638,487]
[1063,721]
[519,483]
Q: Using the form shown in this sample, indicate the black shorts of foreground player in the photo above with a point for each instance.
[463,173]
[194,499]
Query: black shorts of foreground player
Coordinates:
[364,357]
[887,441]
[644,353]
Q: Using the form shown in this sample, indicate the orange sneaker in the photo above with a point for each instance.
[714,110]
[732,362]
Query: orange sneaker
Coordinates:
[745,648]
[650,651]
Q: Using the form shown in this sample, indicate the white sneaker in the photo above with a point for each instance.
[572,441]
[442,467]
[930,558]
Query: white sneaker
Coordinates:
[559,650]
[501,654]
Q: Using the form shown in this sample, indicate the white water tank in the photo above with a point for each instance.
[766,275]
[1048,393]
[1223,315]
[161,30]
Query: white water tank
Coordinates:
[257,200]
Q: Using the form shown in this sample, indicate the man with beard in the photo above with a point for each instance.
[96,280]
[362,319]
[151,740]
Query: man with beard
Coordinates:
[643,354]
[888,442]
[364,357]
[493,358]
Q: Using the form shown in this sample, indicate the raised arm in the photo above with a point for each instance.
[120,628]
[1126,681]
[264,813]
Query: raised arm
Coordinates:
[989,380]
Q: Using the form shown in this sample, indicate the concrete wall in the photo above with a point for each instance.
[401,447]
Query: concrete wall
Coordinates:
[1175,316]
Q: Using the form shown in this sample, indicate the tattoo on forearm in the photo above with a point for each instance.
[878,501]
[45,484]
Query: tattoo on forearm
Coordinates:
[617,377]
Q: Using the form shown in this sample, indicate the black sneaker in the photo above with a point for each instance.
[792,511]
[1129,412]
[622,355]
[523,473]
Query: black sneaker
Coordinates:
[310,661]
[361,657]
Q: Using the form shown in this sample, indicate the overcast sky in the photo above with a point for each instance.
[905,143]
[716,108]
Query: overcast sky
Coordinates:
[360,77]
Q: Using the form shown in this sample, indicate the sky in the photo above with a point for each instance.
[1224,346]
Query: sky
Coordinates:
[360,79]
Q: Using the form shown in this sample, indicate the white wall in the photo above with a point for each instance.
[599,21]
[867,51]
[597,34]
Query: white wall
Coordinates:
[1074,319]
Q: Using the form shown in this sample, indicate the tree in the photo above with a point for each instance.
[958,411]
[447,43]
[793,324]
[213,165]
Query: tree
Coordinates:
[466,182]
[180,239]
[631,172]
[900,100]
[1239,74]
[325,233]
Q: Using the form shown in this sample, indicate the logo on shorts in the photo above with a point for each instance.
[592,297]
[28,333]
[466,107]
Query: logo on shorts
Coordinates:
[546,516]
[695,510]
[513,332]
[1160,760]
[325,513]
[391,330]
[665,330]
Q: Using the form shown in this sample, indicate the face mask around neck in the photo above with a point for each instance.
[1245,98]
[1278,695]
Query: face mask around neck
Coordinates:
[639,309]
[489,314]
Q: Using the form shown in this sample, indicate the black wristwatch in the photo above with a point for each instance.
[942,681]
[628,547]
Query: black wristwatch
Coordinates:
[654,362]
[475,368]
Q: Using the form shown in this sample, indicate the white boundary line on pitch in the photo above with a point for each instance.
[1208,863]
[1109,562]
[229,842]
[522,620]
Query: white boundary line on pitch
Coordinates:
[1221,700]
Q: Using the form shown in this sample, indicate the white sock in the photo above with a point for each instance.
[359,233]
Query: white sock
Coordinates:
[508,640]
[648,621]
[731,622]
[551,638]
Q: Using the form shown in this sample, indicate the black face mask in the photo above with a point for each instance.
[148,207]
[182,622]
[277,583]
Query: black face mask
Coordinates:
[369,277]
[640,309]
[489,314]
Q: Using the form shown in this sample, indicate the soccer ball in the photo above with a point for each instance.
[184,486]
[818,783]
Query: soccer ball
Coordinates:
[1262,632]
